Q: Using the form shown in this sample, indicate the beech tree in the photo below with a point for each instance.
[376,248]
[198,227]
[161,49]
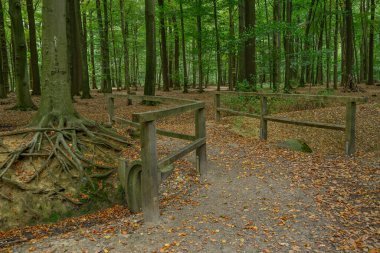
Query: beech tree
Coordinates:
[24,100]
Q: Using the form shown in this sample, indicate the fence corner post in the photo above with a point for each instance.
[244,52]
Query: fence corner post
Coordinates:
[111,109]
[217,106]
[122,169]
[200,132]
[263,121]
[150,180]
[350,128]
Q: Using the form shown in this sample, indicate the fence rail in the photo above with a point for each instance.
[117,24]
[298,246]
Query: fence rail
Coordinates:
[141,179]
[348,127]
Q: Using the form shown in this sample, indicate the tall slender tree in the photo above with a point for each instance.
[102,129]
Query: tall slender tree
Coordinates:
[150,58]
[35,71]
[371,44]
[24,100]
[4,56]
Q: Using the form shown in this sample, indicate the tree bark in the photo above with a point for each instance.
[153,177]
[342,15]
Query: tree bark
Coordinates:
[106,86]
[218,58]
[231,53]
[35,72]
[185,76]
[85,76]
[4,88]
[336,31]
[124,30]
[199,45]
[371,44]
[164,52]
[92,54]
[24,100]
[349,80]
[150,58]
[176,55]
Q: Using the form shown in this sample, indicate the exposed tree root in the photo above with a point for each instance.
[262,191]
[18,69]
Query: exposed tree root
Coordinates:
[65,142]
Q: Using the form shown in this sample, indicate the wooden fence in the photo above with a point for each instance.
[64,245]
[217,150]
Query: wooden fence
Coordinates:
[349,126]
[141,179]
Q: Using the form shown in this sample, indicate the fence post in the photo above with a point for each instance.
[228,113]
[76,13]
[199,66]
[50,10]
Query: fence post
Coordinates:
[123,164]
[263,121]
[350,127]
[217,106]
[149,180]
[200,132]
[111,109]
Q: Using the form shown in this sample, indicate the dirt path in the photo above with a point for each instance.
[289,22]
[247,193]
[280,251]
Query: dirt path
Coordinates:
[248,204]
[257,198]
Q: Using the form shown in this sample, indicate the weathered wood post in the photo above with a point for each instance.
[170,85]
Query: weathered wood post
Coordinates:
[263,121]
[123,164]
[200,132]
[350,127]
[217,106]
[129,100]
[150,180]
[111,109]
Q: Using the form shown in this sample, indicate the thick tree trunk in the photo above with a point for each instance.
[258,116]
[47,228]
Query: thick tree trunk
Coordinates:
[150,58]
[55,90]
[35,72]
[371,44]
[24,100]
[185,76]
[4,88]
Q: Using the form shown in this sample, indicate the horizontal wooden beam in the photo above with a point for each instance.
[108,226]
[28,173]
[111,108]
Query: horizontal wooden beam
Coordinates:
[159,114]
[305,123]
[181,153]
[297,96]
[158,131]
[151,98]
[251,115]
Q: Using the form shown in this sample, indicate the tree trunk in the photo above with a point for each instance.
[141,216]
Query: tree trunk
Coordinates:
[124,30]
[164,52]
[150,59]
[185,76]
[106,86]
[199,45]
[24,100]
[336,31]
[287,39]
[349,80]
[276,46]
[4,88]
[218,58]
[241,63]
[176,55]
[55,90]
[371,44]
[83,32]
[250,43]
[35,72]
[305,70]
[231,53]
[92,54]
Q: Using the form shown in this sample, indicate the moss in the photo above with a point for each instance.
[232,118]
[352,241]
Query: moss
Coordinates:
[296,145]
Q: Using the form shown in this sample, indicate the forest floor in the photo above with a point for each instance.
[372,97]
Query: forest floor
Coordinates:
[257,197]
